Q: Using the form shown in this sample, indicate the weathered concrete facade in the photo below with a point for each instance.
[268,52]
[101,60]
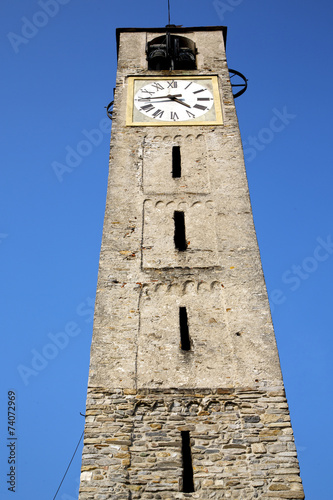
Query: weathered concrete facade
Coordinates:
[144,390]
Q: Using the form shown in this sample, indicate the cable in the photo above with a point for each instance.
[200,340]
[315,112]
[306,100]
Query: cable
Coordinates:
[68,466]
[169,12]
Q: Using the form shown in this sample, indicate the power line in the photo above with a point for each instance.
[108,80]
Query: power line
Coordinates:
[68,465]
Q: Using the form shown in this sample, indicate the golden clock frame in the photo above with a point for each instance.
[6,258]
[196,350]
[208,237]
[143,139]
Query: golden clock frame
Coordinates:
[160,123]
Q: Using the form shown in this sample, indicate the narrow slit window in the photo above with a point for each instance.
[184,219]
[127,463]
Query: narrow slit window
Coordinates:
[180,237]
[185,342]
[176,162]
[188,486]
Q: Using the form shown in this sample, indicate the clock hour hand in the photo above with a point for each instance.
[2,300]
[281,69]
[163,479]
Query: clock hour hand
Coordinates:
[180,102]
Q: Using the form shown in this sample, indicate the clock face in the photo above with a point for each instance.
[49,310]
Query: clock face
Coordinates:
[167,101]
[173,100]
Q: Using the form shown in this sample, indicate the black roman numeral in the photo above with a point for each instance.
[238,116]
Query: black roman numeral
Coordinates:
[172,84]
[188,85]
[198,106]
[157,86]
[145,91]
[190,114]
[203,98]
[158,113]
[147,107]
[197,91]
[174,116]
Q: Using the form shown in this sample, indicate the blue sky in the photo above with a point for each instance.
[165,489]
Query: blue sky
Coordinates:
[58,73]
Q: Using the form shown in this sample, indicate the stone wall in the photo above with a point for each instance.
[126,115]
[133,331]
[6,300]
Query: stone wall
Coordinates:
[241,442]
[144,390]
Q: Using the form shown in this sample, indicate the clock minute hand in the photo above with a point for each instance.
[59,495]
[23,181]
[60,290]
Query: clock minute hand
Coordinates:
[163,96]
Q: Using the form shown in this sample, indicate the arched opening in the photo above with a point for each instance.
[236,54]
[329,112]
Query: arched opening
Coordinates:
[169,52]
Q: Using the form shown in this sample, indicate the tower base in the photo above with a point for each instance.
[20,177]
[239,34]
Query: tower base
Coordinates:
[241,442]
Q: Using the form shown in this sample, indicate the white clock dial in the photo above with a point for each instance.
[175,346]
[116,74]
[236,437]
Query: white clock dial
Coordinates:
[173,100]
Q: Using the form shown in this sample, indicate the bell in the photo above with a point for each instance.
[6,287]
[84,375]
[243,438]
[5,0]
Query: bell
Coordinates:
[158,58]
[186,59]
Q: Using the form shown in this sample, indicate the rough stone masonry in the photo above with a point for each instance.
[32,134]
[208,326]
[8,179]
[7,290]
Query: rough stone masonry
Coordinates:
[145,392]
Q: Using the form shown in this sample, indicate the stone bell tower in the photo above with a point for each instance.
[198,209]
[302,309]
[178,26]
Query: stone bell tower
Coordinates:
[185,396]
